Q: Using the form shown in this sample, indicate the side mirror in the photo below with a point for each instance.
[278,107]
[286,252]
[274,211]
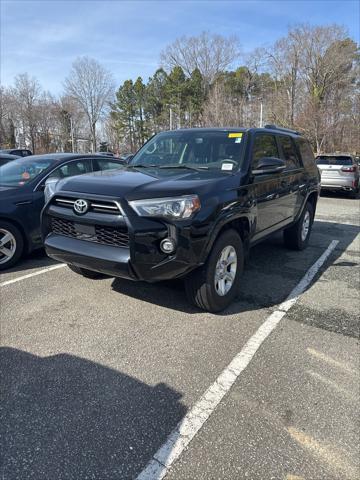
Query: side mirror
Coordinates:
[269,165]
[50,188]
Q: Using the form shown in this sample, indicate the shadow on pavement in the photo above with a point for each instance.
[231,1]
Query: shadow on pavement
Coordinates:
[64,417]
[269,276]
[35,259]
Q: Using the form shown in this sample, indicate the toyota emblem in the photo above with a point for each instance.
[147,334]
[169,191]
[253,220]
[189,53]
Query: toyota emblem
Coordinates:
[81,206]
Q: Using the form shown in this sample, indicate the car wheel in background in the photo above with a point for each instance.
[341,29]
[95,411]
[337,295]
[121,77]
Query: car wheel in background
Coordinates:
[355,193]
[86,273]
[297,237]
[213,286]
[11,245]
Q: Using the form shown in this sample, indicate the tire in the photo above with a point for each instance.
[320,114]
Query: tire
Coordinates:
[295,237]
[14,247]
[355,193]
[86,273]
[201,287]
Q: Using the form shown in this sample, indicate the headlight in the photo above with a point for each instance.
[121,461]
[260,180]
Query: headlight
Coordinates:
[174,208]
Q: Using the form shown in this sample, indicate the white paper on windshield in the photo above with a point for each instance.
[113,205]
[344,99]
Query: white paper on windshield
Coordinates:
[227,166]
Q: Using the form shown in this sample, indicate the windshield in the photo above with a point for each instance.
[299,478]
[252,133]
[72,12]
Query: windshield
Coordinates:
[219,150]
[334,160]
[22,170]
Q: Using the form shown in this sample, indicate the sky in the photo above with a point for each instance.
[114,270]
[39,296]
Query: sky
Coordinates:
[44,37]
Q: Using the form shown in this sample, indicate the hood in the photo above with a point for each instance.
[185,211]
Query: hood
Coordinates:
[135,184]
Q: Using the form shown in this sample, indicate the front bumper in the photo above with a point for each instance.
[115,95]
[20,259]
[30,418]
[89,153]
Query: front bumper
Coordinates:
[141,259]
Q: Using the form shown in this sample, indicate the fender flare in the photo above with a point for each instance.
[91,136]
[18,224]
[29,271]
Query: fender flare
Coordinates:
[216,229]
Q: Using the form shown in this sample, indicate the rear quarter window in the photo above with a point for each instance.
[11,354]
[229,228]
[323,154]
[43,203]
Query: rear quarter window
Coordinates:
[306,153]
[334,160]
[289,152]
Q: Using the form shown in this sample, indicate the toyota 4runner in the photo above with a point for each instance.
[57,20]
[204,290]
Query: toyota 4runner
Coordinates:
[190,204]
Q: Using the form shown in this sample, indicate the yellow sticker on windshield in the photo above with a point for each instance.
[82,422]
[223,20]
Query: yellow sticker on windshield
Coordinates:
[235,135]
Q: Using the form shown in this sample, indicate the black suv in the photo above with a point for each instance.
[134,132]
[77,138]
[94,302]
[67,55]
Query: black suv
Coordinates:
[189,204]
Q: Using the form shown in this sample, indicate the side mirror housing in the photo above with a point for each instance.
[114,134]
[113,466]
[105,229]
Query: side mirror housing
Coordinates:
[269,165]
[50,188]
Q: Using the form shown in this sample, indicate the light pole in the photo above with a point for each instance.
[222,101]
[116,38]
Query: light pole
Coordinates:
[72,134]
[171,119]
[261,114]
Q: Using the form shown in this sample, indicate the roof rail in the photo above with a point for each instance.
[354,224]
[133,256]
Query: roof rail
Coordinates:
[281,129]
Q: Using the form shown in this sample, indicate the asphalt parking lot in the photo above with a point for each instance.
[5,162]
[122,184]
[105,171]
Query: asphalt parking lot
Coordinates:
[96,374]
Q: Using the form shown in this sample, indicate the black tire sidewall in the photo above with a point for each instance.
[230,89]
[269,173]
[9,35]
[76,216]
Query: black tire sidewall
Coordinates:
[19,244]
[304,243]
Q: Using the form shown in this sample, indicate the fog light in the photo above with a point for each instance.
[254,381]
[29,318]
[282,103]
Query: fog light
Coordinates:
[167,245]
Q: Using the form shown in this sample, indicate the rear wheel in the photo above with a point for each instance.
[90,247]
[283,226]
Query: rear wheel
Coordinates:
[297,237]
[214,286]
[86,273]
[355,193]
[11,245]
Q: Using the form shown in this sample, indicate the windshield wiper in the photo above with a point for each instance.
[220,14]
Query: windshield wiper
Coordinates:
[142,166]
[188,167]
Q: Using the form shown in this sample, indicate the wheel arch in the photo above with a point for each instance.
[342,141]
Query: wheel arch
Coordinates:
[313,198]
[239,224]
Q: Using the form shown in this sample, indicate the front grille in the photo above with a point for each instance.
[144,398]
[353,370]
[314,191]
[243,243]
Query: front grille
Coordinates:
[117,237]
[99,206]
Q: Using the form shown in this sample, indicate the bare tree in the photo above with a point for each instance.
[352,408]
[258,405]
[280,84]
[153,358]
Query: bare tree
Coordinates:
[92,88]
[26,93]
[210,53]
[7,115]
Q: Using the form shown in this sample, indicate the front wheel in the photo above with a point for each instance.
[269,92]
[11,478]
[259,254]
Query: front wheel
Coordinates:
[297,237]
[213,286]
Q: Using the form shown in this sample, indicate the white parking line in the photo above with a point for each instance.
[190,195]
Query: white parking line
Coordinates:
[29,275]
[185,431]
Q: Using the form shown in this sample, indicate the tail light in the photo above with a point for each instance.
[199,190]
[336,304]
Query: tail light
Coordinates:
[348,169]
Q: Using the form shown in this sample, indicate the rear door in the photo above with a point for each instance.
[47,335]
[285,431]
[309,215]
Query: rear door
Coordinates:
[290,177]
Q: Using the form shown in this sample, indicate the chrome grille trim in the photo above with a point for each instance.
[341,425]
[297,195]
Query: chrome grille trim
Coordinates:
[103,206]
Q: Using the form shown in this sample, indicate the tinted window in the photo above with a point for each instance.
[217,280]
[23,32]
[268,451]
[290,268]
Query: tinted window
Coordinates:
[264,146]
[72,168]
[105,165]
[21,170]
[334,160]
[289,152]
[306,152]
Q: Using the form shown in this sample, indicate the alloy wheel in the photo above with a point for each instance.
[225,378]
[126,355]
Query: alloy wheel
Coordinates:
[7,246]
[225,270]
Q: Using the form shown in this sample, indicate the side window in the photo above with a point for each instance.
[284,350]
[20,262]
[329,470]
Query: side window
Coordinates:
[289,152]
[25,153]
[72,168]
[306,153]
[264,146]
[103,164]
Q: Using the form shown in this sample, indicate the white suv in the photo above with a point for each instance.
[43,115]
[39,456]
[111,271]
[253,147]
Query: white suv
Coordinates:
[339,172]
